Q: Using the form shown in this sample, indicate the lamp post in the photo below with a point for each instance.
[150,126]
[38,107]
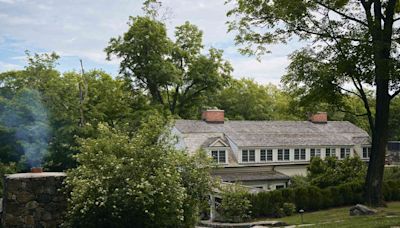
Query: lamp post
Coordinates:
[301,211]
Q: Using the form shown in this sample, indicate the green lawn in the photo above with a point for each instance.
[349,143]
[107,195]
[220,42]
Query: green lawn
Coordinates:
[339,217]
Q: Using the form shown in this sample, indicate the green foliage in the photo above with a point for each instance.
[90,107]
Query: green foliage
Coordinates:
[176,74]
[245,99]
[235,205]
[332,172]
[288,209]
[140,180]
[391,173]
[6,169]
[279,203]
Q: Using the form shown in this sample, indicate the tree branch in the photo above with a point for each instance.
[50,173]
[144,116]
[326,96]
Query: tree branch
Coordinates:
[342,14]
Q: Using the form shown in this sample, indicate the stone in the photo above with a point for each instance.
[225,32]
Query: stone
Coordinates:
[32,205]
[46,216]
[32,200]
[24,197]
[360,209]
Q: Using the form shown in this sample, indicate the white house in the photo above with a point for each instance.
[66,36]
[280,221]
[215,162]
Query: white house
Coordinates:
[264,154]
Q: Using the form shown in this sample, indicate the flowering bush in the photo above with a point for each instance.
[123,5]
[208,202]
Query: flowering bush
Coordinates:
[138,181]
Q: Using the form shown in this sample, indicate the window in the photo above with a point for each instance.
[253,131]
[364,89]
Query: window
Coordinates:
[286,154]
[280,154]
[219,156]
[344,152]
[245,155]
[266,155]
[263,155]
[296,154]
[366,152]
[300,154]
[269,155]
[315,152]
[248,155]
[252,155]
[279,186]
[283,154]
[330,152]
[303,154]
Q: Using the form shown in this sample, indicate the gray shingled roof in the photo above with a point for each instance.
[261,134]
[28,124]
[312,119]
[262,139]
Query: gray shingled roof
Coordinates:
[278,133]
[251,176]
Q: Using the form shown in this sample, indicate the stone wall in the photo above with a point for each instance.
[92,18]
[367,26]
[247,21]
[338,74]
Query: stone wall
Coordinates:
[33,200]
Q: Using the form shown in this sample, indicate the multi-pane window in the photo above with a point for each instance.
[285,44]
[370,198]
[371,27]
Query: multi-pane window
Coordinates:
[269,155]
[219,156]
[344,152]
[263,155]
[286,154]
[300,154]
[252,155]
[330,152]
[366,152]
[266,155]
[283,154]
[280,154]
[248,155]
[315,152]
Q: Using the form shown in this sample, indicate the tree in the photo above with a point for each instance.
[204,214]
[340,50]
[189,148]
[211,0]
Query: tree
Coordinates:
[176,74]
[366,28]
[139,181]
[244,99]
[333,172]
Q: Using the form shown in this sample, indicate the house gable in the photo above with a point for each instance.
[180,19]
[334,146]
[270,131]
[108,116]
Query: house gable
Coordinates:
[218,143]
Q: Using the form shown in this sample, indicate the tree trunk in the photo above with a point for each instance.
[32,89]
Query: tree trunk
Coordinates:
[373,187]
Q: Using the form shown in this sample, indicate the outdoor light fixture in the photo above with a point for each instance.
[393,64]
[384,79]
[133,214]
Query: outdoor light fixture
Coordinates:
[301,211]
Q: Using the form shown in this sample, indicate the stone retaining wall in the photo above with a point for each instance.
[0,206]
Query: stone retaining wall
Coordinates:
[33,200]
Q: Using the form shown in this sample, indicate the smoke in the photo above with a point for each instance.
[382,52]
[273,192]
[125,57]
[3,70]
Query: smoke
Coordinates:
[26,115]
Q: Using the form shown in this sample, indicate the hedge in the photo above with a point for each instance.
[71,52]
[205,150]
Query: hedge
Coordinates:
[311,198]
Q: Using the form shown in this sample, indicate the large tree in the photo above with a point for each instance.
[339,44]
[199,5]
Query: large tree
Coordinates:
[176,74]
[367,26]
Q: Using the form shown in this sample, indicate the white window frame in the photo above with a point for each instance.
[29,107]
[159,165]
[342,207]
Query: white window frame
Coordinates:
[218,157]
[247,152]
[345,151]
[301,154]
[285,154]
[266,155]
[315,152]
[367,150]
[332,152]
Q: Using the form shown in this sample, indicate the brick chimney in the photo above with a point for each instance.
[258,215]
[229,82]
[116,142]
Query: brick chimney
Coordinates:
[319,117]
[213,116]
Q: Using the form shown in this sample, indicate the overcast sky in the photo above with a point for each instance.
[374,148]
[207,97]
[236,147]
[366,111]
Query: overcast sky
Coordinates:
[81,29]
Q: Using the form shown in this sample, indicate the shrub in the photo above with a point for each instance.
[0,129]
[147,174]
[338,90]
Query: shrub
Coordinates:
[235,205]
[141,180]
[289,208]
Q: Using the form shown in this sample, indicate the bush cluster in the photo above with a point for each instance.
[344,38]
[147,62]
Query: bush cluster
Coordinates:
[235,205]
[284,202]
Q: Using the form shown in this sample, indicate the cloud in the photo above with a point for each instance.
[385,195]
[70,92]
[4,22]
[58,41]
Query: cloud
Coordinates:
[81,29]
[9,66]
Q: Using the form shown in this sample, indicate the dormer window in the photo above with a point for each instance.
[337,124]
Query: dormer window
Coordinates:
[248,155]
[219,156]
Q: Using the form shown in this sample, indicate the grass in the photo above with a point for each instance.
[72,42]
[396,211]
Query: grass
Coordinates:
[339,217]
